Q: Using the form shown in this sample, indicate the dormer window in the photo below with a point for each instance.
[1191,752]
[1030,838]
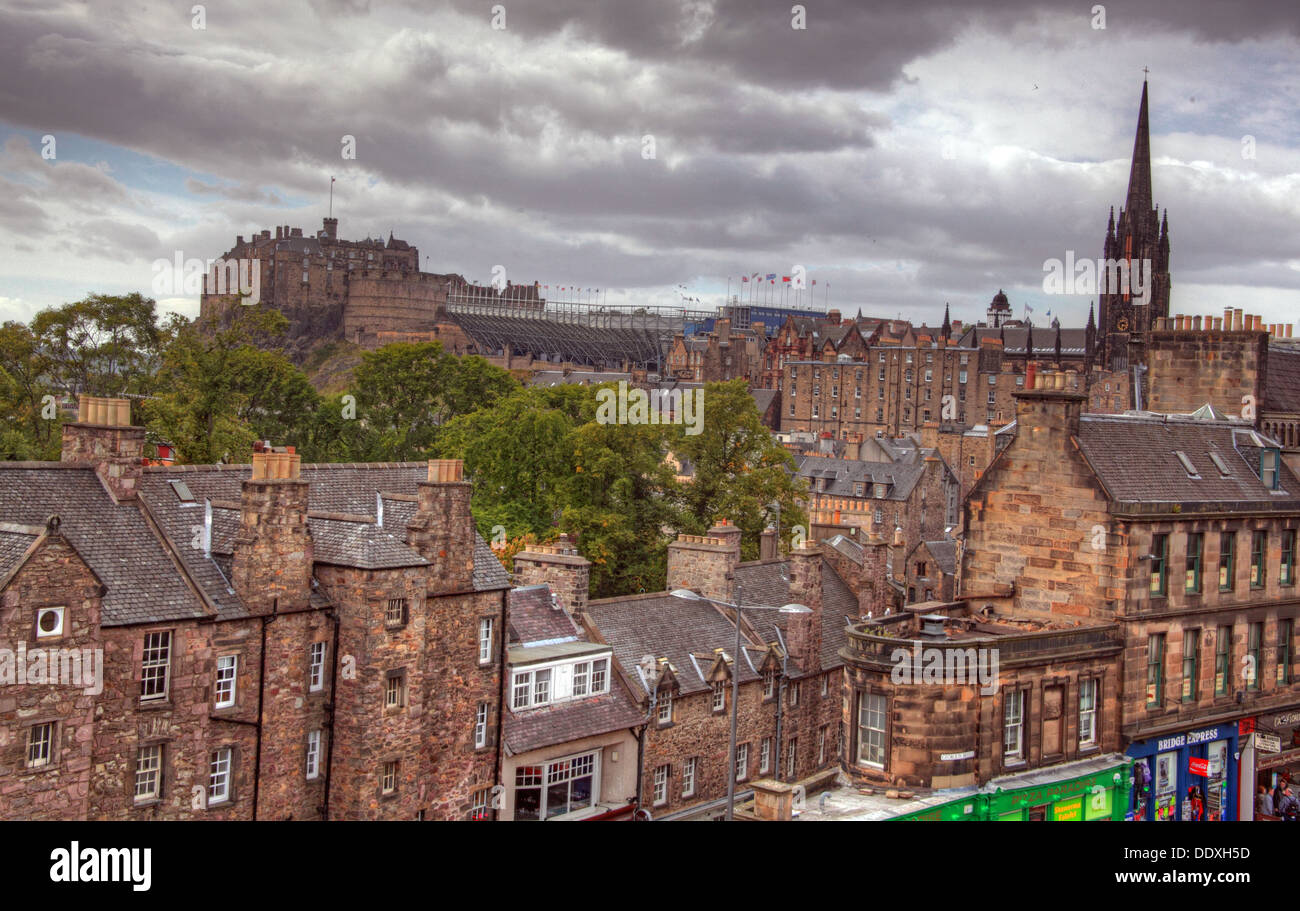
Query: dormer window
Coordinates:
[769,684]
[1268,468]
[665,708]
[719,695]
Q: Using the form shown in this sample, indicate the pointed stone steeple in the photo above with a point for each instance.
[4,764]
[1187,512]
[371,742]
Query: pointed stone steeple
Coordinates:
[947,323]
[1139,175]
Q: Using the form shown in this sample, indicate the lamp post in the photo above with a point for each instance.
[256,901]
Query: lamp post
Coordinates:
[735,673]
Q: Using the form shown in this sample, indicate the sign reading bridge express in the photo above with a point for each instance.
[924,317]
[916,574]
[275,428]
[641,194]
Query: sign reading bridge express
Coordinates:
[1090,789]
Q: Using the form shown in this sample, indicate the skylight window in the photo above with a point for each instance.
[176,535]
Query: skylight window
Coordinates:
[1187,464]
[183,492]
[1219,464]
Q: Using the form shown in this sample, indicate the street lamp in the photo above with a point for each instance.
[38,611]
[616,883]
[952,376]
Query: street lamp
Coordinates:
[735,673]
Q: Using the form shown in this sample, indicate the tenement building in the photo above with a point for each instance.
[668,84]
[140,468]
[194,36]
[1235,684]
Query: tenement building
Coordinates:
[260,641]
[1178,530]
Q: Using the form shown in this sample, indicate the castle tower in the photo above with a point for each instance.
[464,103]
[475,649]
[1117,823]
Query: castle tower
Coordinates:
[1137,237]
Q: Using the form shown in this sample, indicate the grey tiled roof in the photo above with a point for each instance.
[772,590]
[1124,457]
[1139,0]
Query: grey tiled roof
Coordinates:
[13,545]
[114,539]
[842,474]
[762,584]
[944,553]
[533,618]
[667,627]
[1282,386]
[1134,457]
[537,728]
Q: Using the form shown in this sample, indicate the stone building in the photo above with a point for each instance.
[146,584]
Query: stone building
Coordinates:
[676,651]
[572,726]
[1178,529]
[277,641]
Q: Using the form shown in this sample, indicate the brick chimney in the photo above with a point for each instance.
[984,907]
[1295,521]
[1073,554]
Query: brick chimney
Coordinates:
[103,438]
[560,566]
[804,631]
[706,563]
[442,529]
[1048,408]
[272,562]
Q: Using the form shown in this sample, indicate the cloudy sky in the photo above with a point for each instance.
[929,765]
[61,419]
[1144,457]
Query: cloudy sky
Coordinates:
[906,153]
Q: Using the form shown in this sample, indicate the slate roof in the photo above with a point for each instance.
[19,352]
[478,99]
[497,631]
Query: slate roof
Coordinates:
[945,554]
[1134,457]
[842,474]
[114,540]
[13,546]
[532,619]
[666,626]
[144,585]
[1282,385]
[761,583]
[1073,341]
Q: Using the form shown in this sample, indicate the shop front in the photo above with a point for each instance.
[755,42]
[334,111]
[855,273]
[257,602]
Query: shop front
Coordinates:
[1277,748]
[1204,759]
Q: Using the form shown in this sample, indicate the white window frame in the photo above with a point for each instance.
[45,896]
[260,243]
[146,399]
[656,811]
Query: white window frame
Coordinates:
[792,754]
[589,764]
[227,681]
[316,667]
[719,695]
[480,726]
[1013,726]
[765,756]
[793,694]
[486,631]
[388,777]
[661,784]
[742,762]
[769,684]
[313,754]
[870,706]
[1088,711]
[220,763]
[395,690]
[155,666]
[664,710]
[41,744]
[688,777]
[148,772]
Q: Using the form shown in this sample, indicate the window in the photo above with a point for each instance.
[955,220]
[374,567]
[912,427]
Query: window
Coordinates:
[558,787]
[1191,664]
[395,613]
[688,777]
[1286,569]
[485,631]
[219,776]
[522,689]
[1192,581]
[661,785]
[1285,632]
[1257,543]
[1159,553]
[1087,712]
[794,694]
[1227,560]
[665,708]
[1268,465]
[719,695]
[40,744]
[765,756]
[395,690]
[227,665]
[313,754]
[388,778]
[791,758]
[478,808]
[825,684]
[155,665]
[148,773]
[961,376]
[742,762]
[822,733]
[316,668]
[581,678]
[1255,646]
[49,622]
[871,729]
[1155,670]
[1013,726]
[481,726]
[599,675]
[1222,659]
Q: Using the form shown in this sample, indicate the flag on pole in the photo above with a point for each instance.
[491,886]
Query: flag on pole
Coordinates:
[744,278]
[785,278]
[814,281]
[771,276]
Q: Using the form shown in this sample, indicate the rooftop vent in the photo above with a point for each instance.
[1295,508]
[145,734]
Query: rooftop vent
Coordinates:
[932,626]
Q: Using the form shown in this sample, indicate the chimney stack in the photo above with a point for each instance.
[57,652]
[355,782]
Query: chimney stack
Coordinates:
[706,563]
[271,567]
[560,566]
[874,595]
[442,529]
[104,438]
[768,548]
[804,631]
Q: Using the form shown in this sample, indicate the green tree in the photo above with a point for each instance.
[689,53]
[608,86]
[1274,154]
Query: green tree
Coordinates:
[28,431]
[101,345]
[737,469]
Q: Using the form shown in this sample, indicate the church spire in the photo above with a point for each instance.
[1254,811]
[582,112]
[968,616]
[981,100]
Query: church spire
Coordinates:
[1138,203]
[947,323]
